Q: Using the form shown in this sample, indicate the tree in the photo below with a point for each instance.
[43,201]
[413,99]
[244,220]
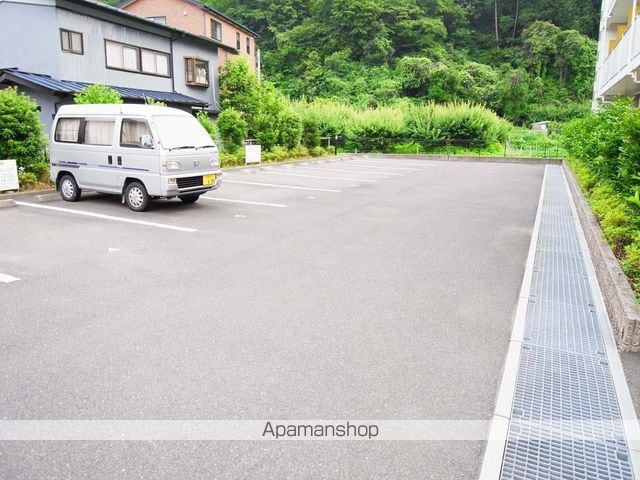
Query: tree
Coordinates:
[97,94]
[21,132]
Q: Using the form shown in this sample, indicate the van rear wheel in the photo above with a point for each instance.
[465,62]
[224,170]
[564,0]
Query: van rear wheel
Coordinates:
[136,197]
[69,190]
[187,199]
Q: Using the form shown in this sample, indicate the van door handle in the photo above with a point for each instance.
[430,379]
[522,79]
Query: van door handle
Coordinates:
[110,159]
[119,160]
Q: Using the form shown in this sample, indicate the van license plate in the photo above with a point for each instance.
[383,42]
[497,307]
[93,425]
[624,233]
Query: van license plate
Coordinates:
[208,179]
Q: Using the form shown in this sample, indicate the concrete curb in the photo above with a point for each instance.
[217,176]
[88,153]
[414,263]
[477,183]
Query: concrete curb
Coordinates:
[465,158]
[624,313]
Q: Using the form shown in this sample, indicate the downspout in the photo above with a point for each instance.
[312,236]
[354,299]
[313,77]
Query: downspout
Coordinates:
[173,70]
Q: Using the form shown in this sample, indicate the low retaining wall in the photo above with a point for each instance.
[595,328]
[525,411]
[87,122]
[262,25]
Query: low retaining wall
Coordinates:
[464,158]
[619,299]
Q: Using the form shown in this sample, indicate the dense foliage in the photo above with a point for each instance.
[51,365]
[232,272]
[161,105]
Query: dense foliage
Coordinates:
[21,133]
[97,94]
[605,150]
[259,111]
[526,60]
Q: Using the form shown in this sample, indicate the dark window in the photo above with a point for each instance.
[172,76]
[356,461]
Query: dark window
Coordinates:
[196,72]
[132,131]
[71,42]
[238,41]
[249,45]
[216,30]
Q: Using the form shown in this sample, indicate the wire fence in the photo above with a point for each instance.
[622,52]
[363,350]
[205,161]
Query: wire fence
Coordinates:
[538,148]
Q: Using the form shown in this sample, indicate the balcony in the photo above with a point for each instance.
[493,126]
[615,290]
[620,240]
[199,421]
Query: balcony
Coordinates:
[618,73]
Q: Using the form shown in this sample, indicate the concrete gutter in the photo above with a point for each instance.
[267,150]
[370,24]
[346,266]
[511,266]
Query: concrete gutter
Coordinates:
[624,313]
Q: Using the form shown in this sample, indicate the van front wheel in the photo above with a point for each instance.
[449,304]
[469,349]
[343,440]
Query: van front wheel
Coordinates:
[136,197]
[69,190]
[187,199]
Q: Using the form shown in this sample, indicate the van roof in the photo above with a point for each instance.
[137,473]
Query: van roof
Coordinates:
[119,109]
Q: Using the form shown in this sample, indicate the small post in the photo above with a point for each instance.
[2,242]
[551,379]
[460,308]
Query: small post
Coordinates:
[335,147]
[505,148]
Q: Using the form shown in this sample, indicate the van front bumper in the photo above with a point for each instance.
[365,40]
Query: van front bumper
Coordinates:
[187,184]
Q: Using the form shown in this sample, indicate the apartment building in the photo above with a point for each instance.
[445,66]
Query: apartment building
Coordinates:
[51,49]
[199,19]
[618,61]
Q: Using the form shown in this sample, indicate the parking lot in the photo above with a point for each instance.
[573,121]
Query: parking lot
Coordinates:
[350,289]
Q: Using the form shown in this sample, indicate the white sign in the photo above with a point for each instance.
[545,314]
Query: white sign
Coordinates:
[252,153]
[8,175]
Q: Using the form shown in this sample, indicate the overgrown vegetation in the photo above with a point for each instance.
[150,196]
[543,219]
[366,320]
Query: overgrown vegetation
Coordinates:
[259,111]
[605,156]
[22,137]
[97,93]
[527,61]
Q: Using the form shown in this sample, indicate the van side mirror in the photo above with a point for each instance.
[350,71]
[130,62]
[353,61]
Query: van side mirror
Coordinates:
[146,141]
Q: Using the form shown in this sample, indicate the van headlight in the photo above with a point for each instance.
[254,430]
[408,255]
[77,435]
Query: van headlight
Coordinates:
[215,161]
[173,165]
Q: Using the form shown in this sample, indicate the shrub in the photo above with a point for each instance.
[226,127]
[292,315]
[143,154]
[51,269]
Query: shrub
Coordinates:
[310,132]
[97,94]
[21,133]
[233,130]
[290,127]
[318,152]
[155,103]
[27,179]
[40,170]
[266,131]
[208,125]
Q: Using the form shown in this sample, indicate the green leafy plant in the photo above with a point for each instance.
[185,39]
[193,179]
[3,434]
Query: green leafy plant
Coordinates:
[21,132]
[97,94]
[233,130]
[207,123]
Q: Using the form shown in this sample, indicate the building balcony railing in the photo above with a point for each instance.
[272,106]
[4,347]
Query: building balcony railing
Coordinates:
[623,60]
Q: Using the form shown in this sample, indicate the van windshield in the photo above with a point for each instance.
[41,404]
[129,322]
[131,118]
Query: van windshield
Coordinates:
[181,132]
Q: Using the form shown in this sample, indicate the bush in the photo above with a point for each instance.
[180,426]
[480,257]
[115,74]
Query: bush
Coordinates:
[290,128]
[27,180]
[40,170]
[233,130]
[21,133]
[207,124]
[310,132]
[318,152]
[97,94]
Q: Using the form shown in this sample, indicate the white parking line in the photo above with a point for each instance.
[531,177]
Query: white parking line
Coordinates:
[394,162]
[7,278]
[276,185]
[378,167]
[321,178]
[244,202]
[348,171]
[108,217]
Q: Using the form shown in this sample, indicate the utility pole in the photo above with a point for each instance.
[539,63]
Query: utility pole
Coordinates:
[495,21]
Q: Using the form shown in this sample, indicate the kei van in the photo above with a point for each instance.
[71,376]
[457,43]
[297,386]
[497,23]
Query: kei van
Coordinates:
[139,152]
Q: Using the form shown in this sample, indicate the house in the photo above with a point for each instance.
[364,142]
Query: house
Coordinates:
[51,49]
[618,60]
[195,17]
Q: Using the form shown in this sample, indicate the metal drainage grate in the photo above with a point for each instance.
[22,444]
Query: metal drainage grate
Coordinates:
[565,419]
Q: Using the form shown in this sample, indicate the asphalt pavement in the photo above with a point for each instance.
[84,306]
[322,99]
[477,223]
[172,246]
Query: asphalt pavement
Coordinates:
[353,290]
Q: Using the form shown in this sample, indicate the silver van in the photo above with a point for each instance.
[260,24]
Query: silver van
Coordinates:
[139,152]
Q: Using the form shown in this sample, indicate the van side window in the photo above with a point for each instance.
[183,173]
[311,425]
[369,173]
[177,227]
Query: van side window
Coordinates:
[99,132]
[132,132]
[68,130]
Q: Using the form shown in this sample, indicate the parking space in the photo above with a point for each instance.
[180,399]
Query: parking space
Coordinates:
[350,289]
